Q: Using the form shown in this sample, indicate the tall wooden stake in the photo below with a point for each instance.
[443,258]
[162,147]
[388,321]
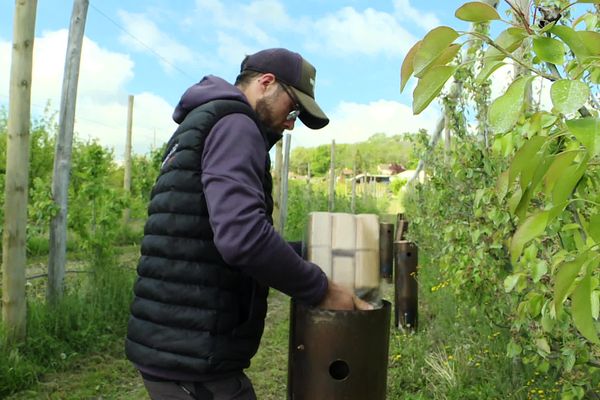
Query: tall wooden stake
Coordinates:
[353,201]
[127,175]
[62,158]
[277,186]
[332,178]
[17,173]
[284,182]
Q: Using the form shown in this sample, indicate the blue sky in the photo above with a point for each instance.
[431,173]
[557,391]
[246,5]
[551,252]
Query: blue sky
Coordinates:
[155,49]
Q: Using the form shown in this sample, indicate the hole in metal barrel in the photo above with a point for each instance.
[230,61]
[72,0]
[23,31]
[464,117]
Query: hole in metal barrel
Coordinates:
[339,370]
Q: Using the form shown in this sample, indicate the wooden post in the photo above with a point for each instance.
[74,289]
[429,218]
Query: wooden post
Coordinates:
[277,186]
[353,201]
[127,173]
[332,178]
[284,182]
[62,158]
[17,173]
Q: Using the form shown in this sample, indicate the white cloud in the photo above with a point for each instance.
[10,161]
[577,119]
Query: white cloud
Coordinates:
[349,32]
[152,123]
[102,98]
[406,12]
[232,49]
[248,23]
[504,76]
[345,32]
[354,122]
[145,36]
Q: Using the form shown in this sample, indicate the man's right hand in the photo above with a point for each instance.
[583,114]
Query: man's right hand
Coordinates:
[339,297]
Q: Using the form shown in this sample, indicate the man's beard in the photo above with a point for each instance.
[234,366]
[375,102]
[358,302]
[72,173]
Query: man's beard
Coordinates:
[264,110]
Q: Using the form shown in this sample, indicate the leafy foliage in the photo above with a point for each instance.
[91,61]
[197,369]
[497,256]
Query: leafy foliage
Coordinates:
[378,149]
[535,214]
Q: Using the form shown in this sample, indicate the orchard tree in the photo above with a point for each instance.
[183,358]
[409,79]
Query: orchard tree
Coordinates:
[551,187]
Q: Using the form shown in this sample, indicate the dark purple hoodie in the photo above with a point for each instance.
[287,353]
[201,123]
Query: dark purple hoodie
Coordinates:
[233,167]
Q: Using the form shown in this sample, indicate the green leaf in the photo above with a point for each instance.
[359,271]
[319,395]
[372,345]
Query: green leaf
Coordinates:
[510,282]
[594,229]
[407,65]
[590,20]
[564,187]
[569,360]
[515,200]
[581,309]
[502,185]
[568,96]
[587,132]
[487,70]
[557,169]
[430,85]
[565,277]
[447,55]
[595,75]
[543,346]
[531,228]
[588,1]
[432,46]
[591,40]
[506,109]
[572,39]
[513,349]
[521,210]
[547,322]
[532,175]
[509,39]
[539,269]
[549,50]
[476,11]
[524,156]
[534,305]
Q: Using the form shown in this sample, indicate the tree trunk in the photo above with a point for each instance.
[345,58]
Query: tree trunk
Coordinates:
[17,173]
[62,157]
[453,95]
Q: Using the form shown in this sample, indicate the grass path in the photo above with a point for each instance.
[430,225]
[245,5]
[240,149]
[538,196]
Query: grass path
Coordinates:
[455,355]
[110,376]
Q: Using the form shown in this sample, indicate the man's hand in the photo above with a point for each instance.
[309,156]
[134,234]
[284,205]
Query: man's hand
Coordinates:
[341,298]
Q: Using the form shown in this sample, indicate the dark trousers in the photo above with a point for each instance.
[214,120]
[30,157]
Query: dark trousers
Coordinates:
[237,387]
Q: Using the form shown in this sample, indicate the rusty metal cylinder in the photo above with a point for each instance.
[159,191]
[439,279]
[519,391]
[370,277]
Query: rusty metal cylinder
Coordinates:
[386,251]
[335,355]
[406,288]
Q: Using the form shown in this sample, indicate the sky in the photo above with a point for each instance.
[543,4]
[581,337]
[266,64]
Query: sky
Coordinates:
[155,49]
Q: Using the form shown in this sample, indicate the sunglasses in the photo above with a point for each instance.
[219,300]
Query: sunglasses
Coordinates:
[292,115]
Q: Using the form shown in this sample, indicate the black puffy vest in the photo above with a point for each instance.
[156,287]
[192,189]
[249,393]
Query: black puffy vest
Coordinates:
[191,311]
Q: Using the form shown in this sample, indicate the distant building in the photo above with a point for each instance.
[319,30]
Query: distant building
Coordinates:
[390,169]
[368,178]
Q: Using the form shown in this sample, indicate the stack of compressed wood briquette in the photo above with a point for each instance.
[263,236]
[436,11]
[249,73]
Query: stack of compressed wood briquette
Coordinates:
[346,247]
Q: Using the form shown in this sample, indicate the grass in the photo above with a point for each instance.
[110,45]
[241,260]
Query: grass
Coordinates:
[455,354]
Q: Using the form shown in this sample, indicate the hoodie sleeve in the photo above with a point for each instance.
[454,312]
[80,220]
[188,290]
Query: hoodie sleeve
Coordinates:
[233,167]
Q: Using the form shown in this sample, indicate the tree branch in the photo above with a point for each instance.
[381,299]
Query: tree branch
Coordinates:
[490,42]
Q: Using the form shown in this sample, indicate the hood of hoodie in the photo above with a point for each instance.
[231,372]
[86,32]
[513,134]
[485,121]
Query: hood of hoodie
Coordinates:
[209,88]
[213,88]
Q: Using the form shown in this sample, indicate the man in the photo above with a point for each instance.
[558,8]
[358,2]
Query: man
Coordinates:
[209,251]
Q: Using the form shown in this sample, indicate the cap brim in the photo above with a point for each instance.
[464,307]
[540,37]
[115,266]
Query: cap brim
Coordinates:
[311,114]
